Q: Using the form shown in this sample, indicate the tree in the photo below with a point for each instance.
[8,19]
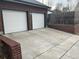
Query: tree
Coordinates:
[59,6]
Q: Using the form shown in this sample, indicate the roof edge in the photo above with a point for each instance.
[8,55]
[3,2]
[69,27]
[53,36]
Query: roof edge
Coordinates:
[27,3]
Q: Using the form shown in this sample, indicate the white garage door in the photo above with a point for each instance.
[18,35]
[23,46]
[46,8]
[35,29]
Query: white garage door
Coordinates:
[37,20]
[14,21]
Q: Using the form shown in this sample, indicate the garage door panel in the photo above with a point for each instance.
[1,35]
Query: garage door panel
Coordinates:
[38,20]
[14,21]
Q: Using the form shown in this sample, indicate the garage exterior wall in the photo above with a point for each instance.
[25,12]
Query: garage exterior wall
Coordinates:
[21,7]
[1,22]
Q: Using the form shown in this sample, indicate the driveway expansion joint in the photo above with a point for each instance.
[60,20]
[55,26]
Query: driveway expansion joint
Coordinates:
[68,50]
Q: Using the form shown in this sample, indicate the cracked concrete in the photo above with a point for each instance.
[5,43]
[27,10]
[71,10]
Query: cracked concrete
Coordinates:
[47,43]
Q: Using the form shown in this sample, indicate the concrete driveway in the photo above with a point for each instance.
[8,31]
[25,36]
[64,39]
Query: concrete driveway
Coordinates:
[47,43]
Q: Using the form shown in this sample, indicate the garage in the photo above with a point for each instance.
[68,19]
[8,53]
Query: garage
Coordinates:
[14,21]
[20,16]
[16,16]
[37,20]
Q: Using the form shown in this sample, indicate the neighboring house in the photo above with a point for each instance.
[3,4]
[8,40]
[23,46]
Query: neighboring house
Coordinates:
[66,21]
[22,15]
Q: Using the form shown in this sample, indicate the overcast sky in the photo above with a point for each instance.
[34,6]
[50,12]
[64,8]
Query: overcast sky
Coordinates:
[64,2]
[72,3]
[53,3]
